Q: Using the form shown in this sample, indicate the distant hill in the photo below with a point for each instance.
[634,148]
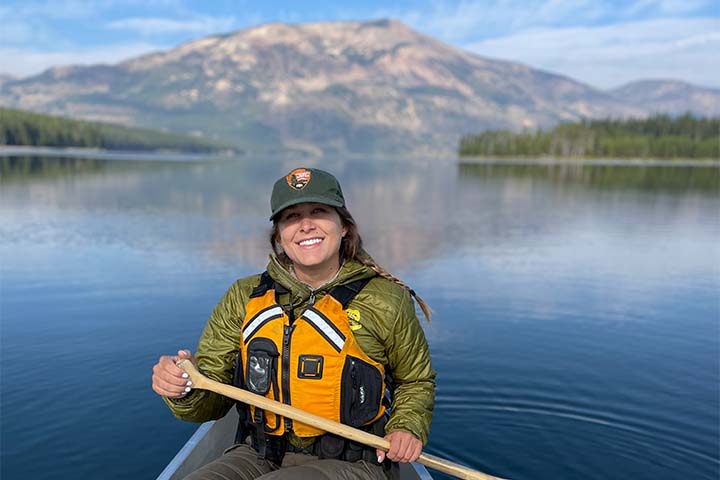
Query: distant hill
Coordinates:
[363,87]
[670,96]
[6,78]
[32,129]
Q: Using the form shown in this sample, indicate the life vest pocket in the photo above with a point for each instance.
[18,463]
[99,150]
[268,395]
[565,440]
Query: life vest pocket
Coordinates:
[262,359]
[360,392]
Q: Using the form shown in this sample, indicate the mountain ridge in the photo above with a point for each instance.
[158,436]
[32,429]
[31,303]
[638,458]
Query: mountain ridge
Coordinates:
[327,87]
[671,96]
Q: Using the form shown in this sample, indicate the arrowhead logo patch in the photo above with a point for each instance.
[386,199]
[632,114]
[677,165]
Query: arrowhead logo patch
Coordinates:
[298,178]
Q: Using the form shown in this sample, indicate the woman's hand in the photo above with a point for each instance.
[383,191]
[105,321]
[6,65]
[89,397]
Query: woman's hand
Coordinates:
[168,379]
[404,447]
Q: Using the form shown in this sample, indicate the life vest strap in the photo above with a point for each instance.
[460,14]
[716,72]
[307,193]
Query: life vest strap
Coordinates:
[344,294]
[266,283]
[261,437]
[330,446]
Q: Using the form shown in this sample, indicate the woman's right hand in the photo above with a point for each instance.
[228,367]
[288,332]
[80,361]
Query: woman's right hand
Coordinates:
[168,379]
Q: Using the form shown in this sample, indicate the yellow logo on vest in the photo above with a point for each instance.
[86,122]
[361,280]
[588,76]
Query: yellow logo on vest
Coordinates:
[354,319]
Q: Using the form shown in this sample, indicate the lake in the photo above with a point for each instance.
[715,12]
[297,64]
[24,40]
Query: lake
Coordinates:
[576,328]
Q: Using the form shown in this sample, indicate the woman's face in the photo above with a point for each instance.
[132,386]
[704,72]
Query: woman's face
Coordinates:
[310,234]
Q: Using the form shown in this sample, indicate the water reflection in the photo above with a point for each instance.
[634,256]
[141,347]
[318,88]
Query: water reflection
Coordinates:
[636,177]
[575,307]
[34,166]
[408,214]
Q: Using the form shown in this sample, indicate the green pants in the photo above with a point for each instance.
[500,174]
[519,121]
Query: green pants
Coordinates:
[240,463]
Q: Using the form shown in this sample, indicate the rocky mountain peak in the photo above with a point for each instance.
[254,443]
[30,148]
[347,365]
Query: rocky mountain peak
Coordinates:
[374,86]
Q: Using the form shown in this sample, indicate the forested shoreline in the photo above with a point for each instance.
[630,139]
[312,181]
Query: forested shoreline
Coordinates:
[18,127]
[660,136]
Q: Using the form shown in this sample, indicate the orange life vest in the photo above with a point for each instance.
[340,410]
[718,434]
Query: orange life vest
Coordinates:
[313,363]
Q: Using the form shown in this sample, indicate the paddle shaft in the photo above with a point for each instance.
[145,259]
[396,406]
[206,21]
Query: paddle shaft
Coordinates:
[202,382]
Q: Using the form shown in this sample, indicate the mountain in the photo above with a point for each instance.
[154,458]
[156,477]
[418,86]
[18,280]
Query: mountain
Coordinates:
[323,87]
[670,96]
[6,78]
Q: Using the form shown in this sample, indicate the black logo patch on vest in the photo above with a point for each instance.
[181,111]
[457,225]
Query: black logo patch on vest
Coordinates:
[310,366]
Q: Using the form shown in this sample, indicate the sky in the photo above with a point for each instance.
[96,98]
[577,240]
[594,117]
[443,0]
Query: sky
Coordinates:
[602,43]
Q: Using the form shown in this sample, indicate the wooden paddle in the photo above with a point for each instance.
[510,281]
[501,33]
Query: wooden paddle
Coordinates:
[202,382]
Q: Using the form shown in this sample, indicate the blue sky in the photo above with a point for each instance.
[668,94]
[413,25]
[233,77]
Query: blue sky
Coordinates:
[604,44]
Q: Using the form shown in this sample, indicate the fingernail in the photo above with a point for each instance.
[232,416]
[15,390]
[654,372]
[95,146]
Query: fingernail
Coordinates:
[187,389]
[189,383]
[185,375]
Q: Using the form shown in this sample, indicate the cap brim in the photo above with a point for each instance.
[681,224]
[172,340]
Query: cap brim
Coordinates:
[310,199]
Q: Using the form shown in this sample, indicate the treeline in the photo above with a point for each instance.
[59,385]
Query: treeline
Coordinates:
[660,136]
[19,127]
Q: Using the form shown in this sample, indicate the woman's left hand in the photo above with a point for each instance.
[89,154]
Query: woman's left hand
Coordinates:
[404,447]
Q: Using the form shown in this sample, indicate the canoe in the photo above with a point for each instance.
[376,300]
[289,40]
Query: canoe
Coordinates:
[212,438]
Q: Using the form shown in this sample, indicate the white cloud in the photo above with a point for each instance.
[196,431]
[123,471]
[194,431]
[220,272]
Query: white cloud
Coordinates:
[83,8]
[559,11]
[17,33]
[668,7]
[608,56]
[162,26]
[473,20]
[24,62]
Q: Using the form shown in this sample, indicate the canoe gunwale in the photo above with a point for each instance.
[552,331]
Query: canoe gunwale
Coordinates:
[176,463]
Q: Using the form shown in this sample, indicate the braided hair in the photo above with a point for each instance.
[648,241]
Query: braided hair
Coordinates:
[351,249]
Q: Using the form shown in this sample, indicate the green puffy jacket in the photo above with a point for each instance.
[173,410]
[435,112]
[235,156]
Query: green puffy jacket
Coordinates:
[390,334]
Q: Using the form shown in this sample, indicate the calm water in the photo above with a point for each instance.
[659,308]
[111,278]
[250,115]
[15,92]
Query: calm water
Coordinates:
[577,310]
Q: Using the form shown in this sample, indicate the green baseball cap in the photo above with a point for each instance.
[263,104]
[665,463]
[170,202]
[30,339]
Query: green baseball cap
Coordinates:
[304,185]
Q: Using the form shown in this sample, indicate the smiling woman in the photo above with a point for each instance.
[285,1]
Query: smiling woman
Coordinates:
[310,235]
[324,329]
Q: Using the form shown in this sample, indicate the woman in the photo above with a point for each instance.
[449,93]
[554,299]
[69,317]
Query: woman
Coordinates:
[322,329]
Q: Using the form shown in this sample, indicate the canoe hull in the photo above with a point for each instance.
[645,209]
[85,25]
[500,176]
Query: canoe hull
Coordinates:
[212,438]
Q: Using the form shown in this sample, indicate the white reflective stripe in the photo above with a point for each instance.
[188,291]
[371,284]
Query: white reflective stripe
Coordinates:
[257,321]
[321,324]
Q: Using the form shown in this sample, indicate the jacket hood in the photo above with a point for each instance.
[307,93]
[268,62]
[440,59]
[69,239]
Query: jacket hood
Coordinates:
[350,271]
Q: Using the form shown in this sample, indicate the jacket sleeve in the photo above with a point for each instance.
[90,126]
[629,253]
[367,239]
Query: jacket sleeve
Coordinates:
[412,372]
[216,353]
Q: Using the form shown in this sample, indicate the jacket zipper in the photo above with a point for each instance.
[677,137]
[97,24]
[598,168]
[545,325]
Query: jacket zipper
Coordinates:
[287,332]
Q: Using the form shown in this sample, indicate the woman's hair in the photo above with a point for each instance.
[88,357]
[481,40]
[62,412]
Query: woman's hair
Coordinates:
[350,248]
